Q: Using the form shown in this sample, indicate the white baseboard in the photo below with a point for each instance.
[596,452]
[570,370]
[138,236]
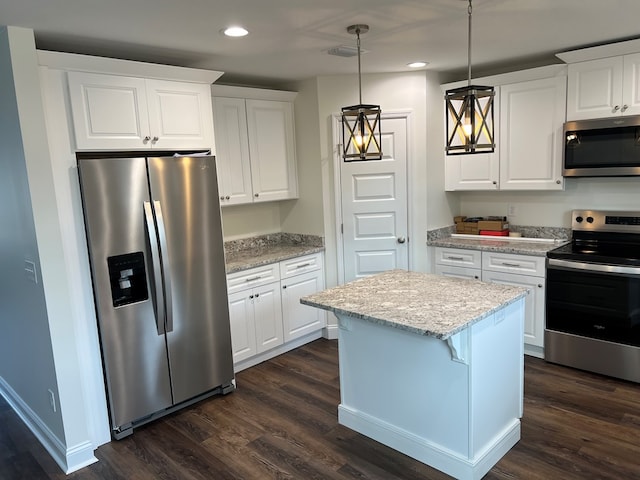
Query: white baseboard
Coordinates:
[330,332]
[69,459]
[274,352]
[427,452]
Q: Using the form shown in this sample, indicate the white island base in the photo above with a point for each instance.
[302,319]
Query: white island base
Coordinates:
[453,404]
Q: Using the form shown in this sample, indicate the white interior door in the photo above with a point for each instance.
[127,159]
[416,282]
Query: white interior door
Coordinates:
[374,207]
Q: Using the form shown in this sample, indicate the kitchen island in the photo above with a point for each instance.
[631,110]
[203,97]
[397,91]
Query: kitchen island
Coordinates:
[431,366]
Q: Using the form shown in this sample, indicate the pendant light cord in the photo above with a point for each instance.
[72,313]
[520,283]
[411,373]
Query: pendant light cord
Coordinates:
[359,74]
[469,9]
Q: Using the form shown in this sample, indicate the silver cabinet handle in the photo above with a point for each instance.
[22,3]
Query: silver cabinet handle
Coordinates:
[454,258]
[152,236]
[401,240]
[624,107]
[256,194]
[302,265]
[494,182]
[164,258]
[222,197]
[251,279]
[616,108]
[250,296]
[146,139]
[558,182]
[515,265]
[539,285]
[154,139]
[227,197]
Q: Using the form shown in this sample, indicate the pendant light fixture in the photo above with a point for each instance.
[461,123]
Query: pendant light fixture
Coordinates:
[361,134]
[469,115]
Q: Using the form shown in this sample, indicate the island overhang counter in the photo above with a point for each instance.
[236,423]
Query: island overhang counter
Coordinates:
[431,366]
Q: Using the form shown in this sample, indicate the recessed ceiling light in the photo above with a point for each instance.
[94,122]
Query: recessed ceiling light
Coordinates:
[235,31]
[417,64]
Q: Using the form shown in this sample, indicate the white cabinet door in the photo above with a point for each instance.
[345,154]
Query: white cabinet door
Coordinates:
[109,112]
[480,171]
[531,119]
[631,85]
[243,329]
[299,319]
[268,316]
[255,316]
[180,115]
[595,88]
[272,150]
[232,151]
[534,317]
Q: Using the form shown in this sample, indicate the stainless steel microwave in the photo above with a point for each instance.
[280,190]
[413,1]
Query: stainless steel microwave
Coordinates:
[604,147]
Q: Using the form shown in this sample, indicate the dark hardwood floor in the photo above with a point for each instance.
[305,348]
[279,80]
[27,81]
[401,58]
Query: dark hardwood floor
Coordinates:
[281,423]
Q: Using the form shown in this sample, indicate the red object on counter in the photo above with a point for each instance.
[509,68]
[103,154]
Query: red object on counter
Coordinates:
[495,233]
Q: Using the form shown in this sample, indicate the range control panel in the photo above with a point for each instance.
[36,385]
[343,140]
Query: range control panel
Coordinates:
[606,221]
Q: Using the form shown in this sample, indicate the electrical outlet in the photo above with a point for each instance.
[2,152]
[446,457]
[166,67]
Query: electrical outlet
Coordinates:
[52,399]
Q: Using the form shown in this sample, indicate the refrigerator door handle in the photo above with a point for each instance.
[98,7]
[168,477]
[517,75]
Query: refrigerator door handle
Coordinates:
[155,261]
[164,256]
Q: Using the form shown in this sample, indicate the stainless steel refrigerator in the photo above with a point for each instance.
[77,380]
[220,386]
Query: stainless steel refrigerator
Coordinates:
[156,253]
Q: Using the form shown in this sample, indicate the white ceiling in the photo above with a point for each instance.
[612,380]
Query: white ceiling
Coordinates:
[289,38]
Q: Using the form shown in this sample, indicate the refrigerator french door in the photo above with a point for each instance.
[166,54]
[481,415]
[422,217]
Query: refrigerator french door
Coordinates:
[156,253]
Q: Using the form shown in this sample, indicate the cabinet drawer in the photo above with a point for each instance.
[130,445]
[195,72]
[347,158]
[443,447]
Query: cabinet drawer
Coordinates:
[253,277]
[458,257]
[298,265]
[459,272]
[510,263]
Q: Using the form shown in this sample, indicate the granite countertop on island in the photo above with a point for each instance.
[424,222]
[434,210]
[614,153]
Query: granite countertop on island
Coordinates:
[262,250]
[421,303]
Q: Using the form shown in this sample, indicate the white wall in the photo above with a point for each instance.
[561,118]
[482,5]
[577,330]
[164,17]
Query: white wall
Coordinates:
[553,209]
[26,355]
[241,221]
[44,342]
[305,215]
[411,91]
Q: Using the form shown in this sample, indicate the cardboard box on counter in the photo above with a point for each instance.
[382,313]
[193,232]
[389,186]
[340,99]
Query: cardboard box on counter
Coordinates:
[495,225]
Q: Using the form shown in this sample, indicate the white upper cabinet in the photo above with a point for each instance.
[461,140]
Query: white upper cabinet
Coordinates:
[255,145]
[113,112]
[232,151]
[604,87]
[530,135]
[528,120]
[272,150]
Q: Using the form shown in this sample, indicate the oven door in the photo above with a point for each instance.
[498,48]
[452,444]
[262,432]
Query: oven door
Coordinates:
[594,300]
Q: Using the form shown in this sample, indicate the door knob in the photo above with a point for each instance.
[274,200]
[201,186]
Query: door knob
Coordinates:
[401,239]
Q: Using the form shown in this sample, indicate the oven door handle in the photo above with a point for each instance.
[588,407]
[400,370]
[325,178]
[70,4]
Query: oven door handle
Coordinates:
[594,267]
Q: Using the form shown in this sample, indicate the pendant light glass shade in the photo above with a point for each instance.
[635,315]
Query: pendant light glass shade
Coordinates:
[469,115]
[361,132]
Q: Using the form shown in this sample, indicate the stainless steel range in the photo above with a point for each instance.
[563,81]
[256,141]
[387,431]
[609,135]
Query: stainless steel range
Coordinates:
[593,295]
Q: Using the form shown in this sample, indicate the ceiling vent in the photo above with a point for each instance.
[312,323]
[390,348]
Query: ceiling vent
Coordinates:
[345,51]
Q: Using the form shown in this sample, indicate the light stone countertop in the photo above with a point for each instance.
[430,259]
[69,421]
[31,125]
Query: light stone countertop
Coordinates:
[494,244]
[422,303]
[263,255]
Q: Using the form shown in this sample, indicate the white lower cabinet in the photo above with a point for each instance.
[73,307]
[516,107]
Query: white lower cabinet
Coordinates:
[255,317]
[265,312]
[510,269]
[299,319]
